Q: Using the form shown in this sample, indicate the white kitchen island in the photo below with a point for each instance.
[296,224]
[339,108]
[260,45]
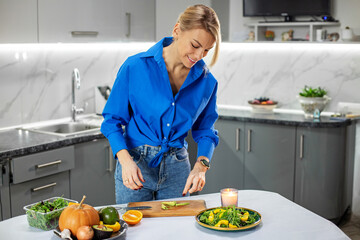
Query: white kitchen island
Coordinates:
[281,219]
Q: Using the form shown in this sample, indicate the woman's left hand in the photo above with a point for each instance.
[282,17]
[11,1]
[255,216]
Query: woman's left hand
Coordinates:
[196,180]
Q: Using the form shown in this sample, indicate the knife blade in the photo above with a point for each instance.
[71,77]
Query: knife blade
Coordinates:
[133,208]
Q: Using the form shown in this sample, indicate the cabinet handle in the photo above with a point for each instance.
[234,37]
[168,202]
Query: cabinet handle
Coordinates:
[301,146]
[128,16]
[237,140]
[43,187]
[48,164]
[111,160]
[84,33]
[249,140]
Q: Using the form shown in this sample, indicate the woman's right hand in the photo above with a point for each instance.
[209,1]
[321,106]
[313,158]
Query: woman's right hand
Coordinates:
[131,173]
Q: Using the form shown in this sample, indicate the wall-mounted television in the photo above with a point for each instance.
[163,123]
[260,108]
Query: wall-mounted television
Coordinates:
[286,8]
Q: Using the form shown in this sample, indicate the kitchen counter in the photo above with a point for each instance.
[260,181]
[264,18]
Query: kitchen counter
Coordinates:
[18,142]
[281,117]
[281,219]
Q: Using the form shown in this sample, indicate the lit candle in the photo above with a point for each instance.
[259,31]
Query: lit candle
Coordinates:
[229,197]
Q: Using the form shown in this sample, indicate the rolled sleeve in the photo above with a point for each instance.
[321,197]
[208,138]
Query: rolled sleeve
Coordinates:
[206,148]
[203,131]
[116,112]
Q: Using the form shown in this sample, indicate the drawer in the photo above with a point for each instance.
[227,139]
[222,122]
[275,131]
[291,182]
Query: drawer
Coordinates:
[29,192]
[42,164]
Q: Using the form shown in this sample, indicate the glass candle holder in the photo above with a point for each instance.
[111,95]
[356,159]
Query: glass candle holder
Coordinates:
[229,197]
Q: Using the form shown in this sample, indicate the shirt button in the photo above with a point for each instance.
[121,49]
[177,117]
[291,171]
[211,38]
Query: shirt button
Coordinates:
[168,124]
[173,104]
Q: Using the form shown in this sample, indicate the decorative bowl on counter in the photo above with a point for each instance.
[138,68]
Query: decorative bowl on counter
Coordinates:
[262,105]
[313,106]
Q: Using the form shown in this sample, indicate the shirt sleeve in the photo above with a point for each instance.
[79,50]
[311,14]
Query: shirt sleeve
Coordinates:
[117,110]
[203,131]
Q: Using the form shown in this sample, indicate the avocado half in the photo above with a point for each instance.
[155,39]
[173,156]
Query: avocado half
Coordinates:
[102,232]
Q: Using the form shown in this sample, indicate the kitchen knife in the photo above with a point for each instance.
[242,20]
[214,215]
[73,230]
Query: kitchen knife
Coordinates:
[133,208]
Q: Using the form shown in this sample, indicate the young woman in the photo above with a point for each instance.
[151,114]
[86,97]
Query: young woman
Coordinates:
[158,96]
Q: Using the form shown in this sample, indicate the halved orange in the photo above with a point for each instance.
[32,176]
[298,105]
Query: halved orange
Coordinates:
[132,217]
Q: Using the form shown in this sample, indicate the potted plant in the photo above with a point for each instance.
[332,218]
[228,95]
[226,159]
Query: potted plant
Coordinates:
[313,101]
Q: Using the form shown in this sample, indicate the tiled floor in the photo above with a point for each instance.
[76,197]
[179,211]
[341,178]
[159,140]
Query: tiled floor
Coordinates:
[350,225]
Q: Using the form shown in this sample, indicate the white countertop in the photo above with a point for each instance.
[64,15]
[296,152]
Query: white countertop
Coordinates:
[281,219]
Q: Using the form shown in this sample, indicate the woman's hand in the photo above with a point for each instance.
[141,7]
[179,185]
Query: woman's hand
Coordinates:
[131,173]
[196,179]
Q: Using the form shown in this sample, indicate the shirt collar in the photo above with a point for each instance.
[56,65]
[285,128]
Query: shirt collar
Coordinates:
[156,51]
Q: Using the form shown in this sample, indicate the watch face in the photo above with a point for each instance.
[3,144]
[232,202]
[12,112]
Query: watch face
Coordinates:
[205,163]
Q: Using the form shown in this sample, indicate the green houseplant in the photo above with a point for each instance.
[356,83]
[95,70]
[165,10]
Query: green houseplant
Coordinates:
[313,92]
[313,101]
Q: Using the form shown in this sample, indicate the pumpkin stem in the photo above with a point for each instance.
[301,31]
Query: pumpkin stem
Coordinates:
[80,205]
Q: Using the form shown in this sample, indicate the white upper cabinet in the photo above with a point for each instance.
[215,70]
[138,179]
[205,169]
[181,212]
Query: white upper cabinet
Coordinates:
[96,20]
[138,20]
[18,21]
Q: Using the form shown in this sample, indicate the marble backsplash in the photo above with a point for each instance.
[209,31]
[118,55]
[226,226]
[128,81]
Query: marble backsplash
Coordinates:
[36,78]
[280,71]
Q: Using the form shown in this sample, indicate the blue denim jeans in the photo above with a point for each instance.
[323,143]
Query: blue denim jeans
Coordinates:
[165,181]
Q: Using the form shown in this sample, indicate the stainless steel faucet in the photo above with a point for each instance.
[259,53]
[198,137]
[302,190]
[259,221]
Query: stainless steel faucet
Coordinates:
[75,84]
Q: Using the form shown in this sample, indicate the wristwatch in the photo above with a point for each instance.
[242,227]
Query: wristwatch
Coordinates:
[205,163]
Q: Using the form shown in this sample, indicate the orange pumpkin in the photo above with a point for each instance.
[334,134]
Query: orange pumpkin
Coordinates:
[75,216]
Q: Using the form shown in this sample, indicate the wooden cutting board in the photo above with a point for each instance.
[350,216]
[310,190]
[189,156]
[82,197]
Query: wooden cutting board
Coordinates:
[194,207]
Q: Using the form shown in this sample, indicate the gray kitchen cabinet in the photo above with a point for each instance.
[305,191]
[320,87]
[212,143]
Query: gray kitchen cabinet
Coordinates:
[269,158]
[18,21]
[33,191]
[42,164]
[96,20]
[253,156]
[312,166]
[40,176]
[227,164]
[93,174]
[320,170]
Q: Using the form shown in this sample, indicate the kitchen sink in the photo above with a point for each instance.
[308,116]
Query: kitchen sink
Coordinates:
[66,129]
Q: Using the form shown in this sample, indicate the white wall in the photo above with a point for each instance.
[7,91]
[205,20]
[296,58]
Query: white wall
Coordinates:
[166,17]
[347,12]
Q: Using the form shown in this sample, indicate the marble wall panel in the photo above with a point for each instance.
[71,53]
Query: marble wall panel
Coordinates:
[280,71]
[13,71]
[36,79]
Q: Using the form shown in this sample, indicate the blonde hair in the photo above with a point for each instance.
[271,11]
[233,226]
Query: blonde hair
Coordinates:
[203,17]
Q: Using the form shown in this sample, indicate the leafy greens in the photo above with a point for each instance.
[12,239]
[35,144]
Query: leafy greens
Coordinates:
[45,214]
[229,217]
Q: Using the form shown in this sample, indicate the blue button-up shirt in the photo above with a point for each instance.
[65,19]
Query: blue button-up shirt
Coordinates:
[142,101]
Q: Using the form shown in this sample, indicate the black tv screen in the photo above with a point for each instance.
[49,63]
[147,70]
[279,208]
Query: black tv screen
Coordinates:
[286,8]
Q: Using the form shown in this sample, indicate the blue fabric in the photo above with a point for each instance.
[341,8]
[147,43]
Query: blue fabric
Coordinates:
[142,101]
[162,182]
